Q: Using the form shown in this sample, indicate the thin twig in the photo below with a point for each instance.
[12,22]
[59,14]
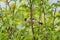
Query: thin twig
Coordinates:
[31,19]
[54,18]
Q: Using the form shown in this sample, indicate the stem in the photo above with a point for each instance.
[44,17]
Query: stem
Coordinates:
[44,18]
[10,28]
[43,11]
[1,15]
[40,16]
[13,11]
[54,18]
[31,19]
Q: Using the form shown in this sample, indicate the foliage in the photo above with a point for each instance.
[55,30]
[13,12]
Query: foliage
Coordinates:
[14,27]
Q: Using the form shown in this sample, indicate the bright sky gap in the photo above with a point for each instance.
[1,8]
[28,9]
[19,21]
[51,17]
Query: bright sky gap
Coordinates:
[3,5]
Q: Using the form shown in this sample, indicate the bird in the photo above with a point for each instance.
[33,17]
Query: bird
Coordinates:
[34,20]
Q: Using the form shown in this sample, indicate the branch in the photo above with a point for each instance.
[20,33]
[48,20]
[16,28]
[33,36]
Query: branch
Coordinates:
[54,18]
[31,18]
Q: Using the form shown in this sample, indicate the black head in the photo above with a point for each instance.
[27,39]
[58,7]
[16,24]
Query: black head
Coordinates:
[40,23]
[25,19]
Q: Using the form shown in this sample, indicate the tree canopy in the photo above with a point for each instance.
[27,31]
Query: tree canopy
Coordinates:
[29,20]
